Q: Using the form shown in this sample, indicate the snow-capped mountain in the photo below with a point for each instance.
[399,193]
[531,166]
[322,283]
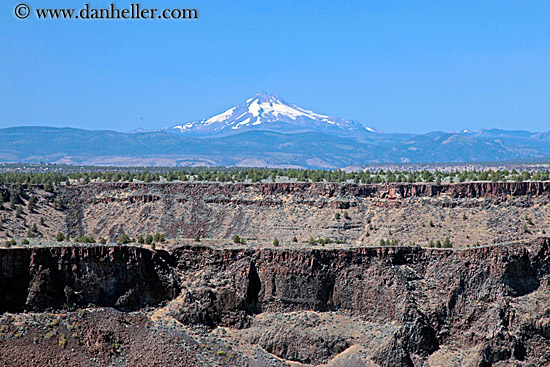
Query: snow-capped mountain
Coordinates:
[268,112]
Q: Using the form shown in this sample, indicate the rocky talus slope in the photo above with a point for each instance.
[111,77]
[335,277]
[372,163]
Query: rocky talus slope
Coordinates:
[385,306]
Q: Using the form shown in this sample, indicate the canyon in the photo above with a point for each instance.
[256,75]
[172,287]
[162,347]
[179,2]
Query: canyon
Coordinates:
[348,302]
[385,306]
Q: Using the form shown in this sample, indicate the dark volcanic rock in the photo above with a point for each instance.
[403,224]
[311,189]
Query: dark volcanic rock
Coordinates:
[435,296]
[392,354]
[126,278]
[494,301]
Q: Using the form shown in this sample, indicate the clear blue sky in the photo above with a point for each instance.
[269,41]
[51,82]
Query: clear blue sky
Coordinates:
[407,66]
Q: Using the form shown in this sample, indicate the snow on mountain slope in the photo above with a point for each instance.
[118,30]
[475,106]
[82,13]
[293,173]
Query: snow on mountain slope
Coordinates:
[269,112]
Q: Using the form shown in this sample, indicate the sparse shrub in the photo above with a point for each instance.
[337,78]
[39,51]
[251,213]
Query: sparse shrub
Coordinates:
[25,241]
[148,239]
[159,237]
[31,203]
[9,243]
[60,237]
[73,326]
[102,241]
[197,238]
[141,240]
[85,239]
[311,240]
[431,244]
[124,239]
[49,186]
[62,342]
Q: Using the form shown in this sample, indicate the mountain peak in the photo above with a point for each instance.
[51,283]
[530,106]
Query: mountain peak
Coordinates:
[265,111]
[266,95]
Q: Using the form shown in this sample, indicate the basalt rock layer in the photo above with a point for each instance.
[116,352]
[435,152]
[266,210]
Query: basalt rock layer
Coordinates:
[128,278]
[480,307]
[486,298]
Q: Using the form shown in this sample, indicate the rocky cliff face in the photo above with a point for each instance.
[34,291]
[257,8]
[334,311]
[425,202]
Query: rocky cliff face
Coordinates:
[44,278]
[313,190]
[485,302]
[483,306]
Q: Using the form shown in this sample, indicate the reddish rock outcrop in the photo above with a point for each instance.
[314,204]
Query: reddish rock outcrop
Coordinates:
[309,190]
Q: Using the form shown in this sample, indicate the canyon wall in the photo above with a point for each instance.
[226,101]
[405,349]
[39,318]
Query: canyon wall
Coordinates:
[357,214]
[351,213]
[128,278]
[488,297]
[493,300]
